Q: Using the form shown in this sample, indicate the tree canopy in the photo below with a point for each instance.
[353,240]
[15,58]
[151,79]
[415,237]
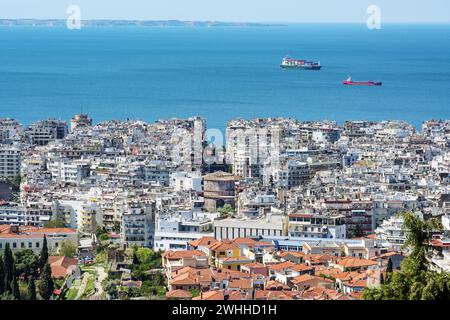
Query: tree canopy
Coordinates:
[414,280]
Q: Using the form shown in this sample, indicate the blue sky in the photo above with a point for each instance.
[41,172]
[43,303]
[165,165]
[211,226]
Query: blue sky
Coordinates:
[393,11]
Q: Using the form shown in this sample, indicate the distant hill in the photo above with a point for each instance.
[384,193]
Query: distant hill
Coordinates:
[142,23]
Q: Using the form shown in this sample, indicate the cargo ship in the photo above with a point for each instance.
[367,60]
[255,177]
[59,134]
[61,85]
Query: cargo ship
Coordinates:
[289,63]
[350,82]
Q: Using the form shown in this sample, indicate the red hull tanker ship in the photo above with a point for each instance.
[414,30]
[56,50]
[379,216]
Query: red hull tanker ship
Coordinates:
[350,82]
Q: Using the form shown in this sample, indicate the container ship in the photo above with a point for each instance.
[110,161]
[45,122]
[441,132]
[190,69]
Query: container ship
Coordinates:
[350,82]
[289,63]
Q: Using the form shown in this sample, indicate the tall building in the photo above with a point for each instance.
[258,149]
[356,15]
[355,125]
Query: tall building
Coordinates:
[9,128]
[9,161]
[219,189]
[80,120]
[42,132]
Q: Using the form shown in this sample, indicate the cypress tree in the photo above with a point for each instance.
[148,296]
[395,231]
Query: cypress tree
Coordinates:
[31,289]
[8,261]
[15,288]
[43,259]
[2,276]
[45,285]
[389,266]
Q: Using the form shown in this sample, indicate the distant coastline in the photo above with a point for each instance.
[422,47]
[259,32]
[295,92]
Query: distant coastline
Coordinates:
[138,23]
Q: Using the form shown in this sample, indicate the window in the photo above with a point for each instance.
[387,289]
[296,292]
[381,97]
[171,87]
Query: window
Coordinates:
[22,244]
[37,244]
[14,245]
[30,244]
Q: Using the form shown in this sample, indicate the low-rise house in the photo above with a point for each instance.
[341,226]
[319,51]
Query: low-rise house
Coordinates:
[306,281]
[174,260]
[179,294]
[62,267]
[353,264]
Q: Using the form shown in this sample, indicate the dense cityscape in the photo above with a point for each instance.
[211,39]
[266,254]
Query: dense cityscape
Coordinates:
[281,209]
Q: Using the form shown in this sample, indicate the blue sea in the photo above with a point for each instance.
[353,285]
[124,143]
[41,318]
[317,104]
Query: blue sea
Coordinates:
[221,73]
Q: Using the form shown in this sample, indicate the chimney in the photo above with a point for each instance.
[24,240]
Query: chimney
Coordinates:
[14,228]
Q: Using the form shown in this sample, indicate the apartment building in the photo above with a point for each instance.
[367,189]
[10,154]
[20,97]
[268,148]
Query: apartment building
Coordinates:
[9,161]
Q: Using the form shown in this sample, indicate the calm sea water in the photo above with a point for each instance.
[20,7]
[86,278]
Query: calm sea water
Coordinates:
[223,73]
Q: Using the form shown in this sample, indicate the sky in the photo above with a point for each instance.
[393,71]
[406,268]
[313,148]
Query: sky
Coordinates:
[288,11]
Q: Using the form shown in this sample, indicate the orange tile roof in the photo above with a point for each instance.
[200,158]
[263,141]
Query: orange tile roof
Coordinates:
[178,293]
[302,268]
[210,295]
[182,254]
[223,246]
[351,262]
[297,254]
[307,277]
[281,266]
[240,283]
[62,266]
[273,284]
[203,241]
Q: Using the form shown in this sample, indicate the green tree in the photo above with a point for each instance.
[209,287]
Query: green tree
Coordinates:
[414,281]
[8,261]
[43,258]
[31,289]
[159,279]
[15,288]
[225,210]
[389,266]
[45,284]
[7,296]
[54,224]
[195,292]
[26,263]
[2,276]
[135,259]
[68,249]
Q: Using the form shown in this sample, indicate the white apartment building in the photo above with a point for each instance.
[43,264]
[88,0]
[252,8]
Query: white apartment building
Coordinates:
[308,225]
[9,161]
[9,128]
[39,212]
[138,224]
[232,228]
[174,230]
[12,213]
[185,181]
[72,172]
[390,233]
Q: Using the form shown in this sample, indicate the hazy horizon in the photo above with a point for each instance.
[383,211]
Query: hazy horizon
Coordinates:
[247,11]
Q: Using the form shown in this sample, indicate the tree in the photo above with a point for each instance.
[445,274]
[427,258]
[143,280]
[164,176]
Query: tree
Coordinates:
[8,261]
[135,259]
[46,285]
[54,224]
[68,249]
[225,210]
[389,266]
[2,276]
[356,232]
[414,281]
[31,289]
[15,288]
[43,259]
[26,263]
